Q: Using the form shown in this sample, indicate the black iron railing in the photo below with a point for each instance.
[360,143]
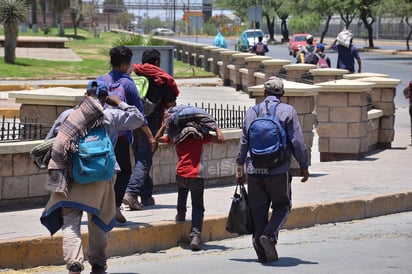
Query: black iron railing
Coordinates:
[14,130]
[225,116]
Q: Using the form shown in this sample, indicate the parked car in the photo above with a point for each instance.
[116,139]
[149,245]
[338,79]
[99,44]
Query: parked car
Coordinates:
[251,35]
[163,32]
[297,41]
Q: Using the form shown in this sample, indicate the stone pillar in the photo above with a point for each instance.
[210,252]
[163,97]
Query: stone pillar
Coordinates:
[216,58]
[199,54]
[207,53]
[239,62]
[294,71]
[273,66]
[355,76]
[342,120]
[382,96]
[253,65]
[43,106]
[226,57]
[301,97]
[321,75]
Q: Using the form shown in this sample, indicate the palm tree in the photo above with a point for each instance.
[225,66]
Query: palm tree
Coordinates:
[12,13]
[59,6]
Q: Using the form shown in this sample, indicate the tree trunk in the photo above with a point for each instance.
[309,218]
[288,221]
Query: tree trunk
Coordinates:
[10,42]
[325,30]
[271,27]
[409,34]
[60,24]
[369,28]
[284,30]
[34,11]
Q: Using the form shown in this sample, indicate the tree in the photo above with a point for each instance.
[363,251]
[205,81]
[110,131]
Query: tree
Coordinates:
[76,15]
[12,13]
[58,7]
[398,9]
[367,13]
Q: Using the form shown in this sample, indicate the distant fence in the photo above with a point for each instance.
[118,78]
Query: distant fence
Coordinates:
[12,130]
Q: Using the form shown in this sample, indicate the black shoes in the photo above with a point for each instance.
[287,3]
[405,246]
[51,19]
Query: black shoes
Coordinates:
[147,201]
[180,217]
[269,245]
[119,216]
[75,268]
[98,269]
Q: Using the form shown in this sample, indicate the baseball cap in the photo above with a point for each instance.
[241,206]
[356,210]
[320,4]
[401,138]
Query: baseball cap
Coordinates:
[274,85]
[97,87]
[320,46]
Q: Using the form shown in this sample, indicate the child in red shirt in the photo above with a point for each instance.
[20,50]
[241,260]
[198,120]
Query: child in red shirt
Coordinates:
[190,177]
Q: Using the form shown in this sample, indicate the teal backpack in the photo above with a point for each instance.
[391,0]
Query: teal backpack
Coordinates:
[95,159]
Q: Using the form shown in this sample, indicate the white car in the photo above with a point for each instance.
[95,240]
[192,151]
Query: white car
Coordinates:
[252,37]
[163,32]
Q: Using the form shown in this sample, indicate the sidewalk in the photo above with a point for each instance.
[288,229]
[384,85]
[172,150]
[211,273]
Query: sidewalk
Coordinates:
[336,191]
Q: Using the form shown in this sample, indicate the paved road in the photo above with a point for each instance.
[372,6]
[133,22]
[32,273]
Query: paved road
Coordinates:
[377,245]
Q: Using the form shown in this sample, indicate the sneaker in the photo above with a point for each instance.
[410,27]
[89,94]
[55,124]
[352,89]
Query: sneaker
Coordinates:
[180,217]
[147,201]
[132,202]
[269,245]
[75,268]
[195,243]
[98,269]
[119,216]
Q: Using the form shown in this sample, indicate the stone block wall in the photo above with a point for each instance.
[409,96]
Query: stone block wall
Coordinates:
[22,183]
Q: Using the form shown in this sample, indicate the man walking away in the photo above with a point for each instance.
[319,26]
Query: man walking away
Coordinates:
[270,186]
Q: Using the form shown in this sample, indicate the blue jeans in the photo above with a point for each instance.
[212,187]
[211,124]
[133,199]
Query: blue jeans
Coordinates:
[140,183]
[196,187]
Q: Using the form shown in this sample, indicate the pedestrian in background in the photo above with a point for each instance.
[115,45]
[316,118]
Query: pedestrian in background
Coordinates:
[119,81]
[271,187]
[189,140]
[259,48]
[68,198]
[407,92]
[219,41]
[163,91]
[347,52]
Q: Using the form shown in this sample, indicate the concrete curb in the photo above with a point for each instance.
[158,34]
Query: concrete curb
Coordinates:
[27,252]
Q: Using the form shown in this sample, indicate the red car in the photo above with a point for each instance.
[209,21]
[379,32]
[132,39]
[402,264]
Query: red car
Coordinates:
[297,41]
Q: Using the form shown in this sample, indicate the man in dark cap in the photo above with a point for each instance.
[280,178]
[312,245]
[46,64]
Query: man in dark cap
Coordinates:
[270,186]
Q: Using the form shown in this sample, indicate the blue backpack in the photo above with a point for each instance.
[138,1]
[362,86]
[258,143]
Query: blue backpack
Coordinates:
[267,139]
[95,159]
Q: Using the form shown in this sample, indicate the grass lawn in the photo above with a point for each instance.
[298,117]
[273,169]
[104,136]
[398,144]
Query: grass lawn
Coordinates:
[94,52]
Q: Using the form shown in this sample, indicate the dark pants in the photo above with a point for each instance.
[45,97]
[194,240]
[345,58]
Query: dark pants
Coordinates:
[141,183]
[264,192]
[410,115]
[196,187]
[123,159]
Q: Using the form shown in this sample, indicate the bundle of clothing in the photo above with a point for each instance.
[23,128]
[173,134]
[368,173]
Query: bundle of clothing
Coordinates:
[183,121]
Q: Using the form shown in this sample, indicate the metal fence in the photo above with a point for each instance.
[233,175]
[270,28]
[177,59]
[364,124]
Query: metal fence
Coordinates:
[226,116]
[13,130]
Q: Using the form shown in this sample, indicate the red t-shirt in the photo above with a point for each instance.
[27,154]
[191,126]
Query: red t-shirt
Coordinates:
[190,154]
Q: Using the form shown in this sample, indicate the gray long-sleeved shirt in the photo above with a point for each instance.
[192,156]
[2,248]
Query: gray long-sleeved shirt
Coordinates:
[124,117]
[295,142]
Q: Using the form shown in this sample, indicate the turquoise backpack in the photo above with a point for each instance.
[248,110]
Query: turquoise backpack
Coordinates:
[95,159]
